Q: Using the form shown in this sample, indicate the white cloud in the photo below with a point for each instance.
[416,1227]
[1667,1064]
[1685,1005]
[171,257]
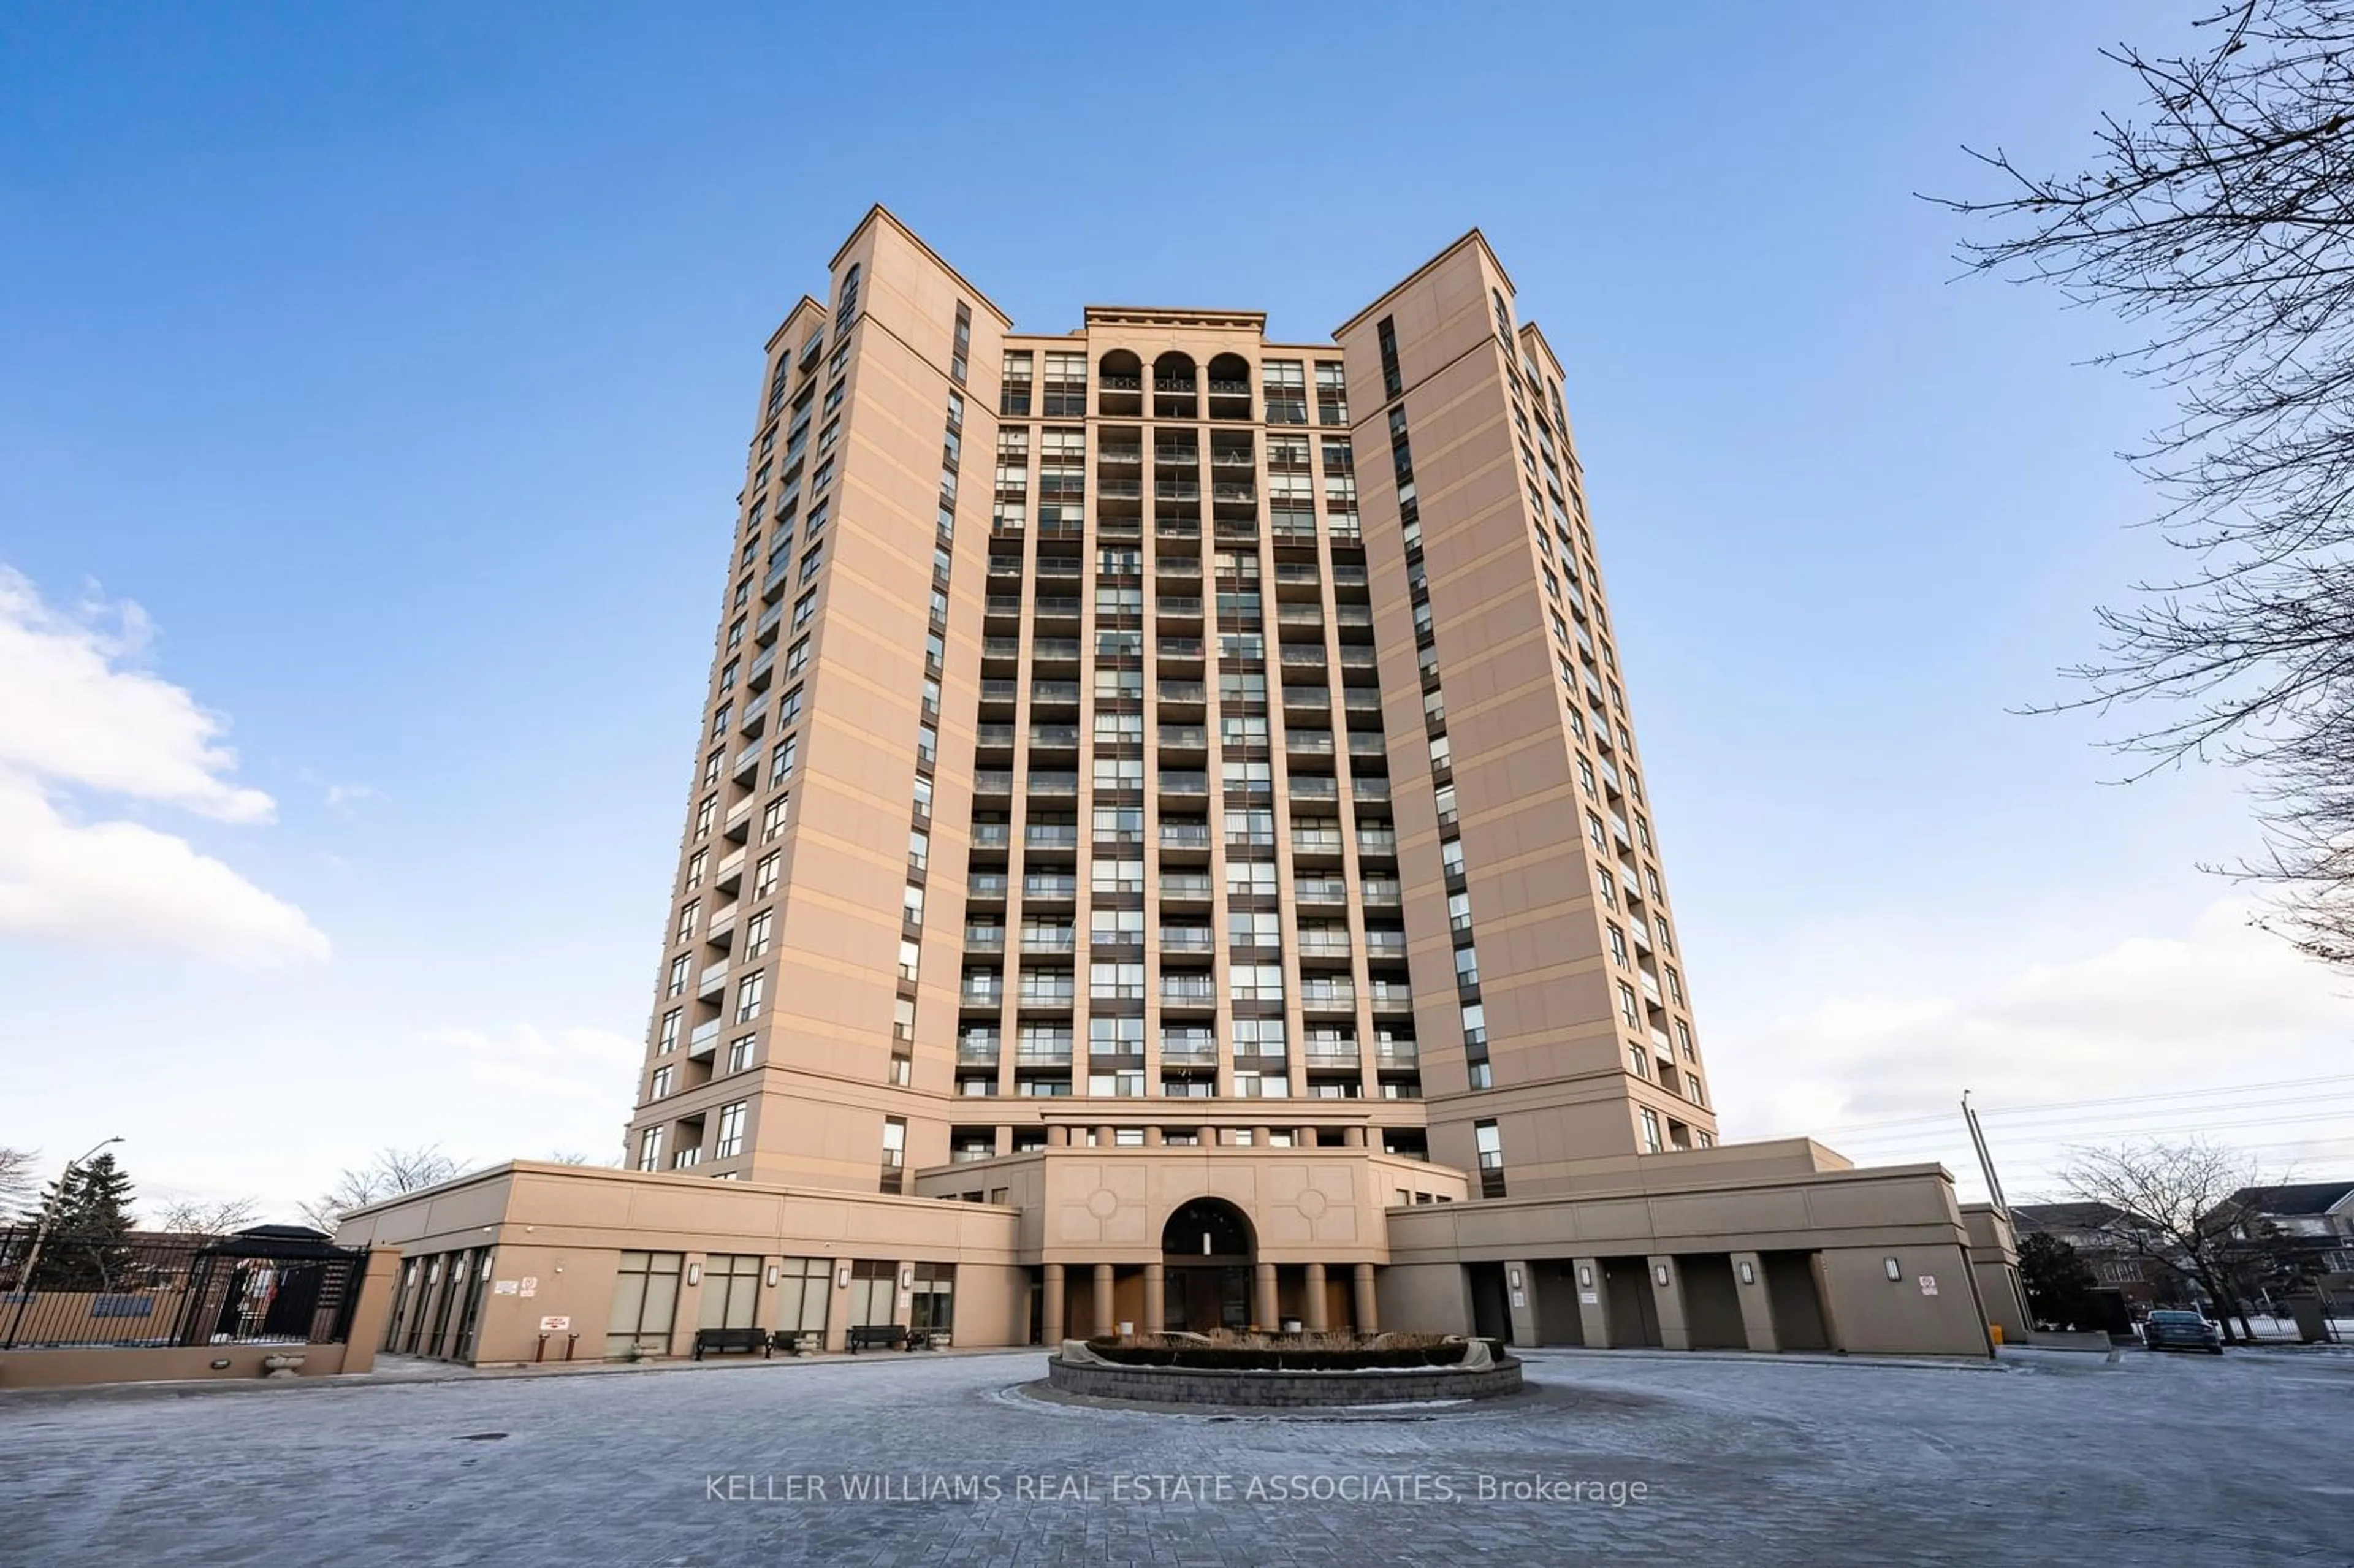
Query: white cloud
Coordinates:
[2218,1005]
[72,716]
[525,1058]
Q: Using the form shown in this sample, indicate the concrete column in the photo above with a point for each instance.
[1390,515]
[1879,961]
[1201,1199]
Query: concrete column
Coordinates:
[1317,1319]
[689,1311]
[1152,1137]
[1593,1301]
[1103,1138]
[1208,1135]
[372,1314]
[1668,1299]
[1262,1136]
[1352,1136]
[1059,1138]
[1106,1321]
[1051,1326]
[1520,1300]
[1156,1299]
[1368,1311]
[1267,1313]
[1757,1310]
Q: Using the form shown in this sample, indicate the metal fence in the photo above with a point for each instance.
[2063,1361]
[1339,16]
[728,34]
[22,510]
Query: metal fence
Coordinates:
[271,1284]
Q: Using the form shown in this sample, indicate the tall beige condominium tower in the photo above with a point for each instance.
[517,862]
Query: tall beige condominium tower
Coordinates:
[1156,734]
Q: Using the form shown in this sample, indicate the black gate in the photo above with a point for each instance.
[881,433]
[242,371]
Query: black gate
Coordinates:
[269,1284]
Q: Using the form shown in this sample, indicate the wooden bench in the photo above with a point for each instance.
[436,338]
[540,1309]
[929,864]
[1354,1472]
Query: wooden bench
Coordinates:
[798,1342]
[720,1341]
[877,1336]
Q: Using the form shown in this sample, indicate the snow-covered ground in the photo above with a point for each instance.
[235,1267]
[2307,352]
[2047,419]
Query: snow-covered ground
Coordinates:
[2048,1457]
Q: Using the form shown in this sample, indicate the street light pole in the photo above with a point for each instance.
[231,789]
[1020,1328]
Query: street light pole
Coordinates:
[40,1235]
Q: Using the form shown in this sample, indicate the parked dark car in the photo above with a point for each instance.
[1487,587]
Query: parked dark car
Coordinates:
[2177,1331]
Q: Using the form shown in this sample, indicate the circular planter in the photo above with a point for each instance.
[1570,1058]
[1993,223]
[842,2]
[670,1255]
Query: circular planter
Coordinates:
[1278,1388]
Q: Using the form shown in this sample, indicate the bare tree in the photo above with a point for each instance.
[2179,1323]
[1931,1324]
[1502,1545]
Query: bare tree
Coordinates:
[15,1178]
[2221,226]
[391,1173]
[206,1217]
[2173,1206]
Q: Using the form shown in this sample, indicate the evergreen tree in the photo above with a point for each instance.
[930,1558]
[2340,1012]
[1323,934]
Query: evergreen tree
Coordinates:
[86,1241]
[2059,1285]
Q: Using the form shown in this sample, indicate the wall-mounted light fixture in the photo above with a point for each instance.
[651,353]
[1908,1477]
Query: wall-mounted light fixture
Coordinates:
[842,1278]
[1585,1276]
[1895,1269]
[695,1273]
[772,1274]
[1748,1272]
[1516,1278]
[1659,1272]
[907,1275]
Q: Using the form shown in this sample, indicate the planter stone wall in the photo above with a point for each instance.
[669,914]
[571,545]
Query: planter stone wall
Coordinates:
[1272,1389]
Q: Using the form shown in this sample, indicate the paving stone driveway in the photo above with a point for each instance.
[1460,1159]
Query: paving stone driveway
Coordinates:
[932,1459]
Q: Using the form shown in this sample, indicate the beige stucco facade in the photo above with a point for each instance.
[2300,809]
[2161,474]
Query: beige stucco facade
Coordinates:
[1166,847]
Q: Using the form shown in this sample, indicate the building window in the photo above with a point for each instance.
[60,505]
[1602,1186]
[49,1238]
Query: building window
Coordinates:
[772,819]
[739,1052]
[749,995]
[1652,1144]
[731,1288]
[668,1040]
[756,933]
[1490,1145]
[1013,396]
[1626,1009]
[664,1080]
[895,1157]
[645,1302]
[731,1134]
[1393,383]
[679,967]
[649,1149]
[764,876]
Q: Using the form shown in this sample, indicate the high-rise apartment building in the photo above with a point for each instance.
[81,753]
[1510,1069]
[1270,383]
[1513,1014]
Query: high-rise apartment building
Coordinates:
[1168,848]
[1203,730]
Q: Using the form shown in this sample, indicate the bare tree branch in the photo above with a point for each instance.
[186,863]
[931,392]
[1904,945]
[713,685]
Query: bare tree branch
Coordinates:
[390,1173]
[2221,228]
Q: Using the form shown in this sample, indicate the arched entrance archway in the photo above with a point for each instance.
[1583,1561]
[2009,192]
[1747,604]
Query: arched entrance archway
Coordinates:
[1207,1248]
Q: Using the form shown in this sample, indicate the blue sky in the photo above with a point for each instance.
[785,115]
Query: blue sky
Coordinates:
[396,369]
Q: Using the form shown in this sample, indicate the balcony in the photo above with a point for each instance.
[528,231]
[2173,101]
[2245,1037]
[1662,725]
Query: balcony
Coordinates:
[1650,989]
[1381,893]
[1314,788]
[1045,889]
[993,737]
[1186,837]
[746,766]
[1188,1052]
[984,940]
[1184,785]
[1328,996]
[1397,1055]
[1058,609]
[982,992]
[978,1048]
[1173,607]
[1000,692]
[1377,842]
[770,618]
[1180,650]
[1370,789]
[703,1040]
[1176,489]
[756,714]
[1053,784]
[1053,738]
[731,873]
[722,923]
[1386,944]
[1320,890]
[1055,651]
[1308,743]
[757,677]
[1188,990]
[1321,1056]
[739,823]
[1326,945]
[1390,995]
[1186,888]
[712,981]
[986,888]
[1034,1053]
[993,835]
[1318,843]
[1049,941]
[1184,939]
[993,781]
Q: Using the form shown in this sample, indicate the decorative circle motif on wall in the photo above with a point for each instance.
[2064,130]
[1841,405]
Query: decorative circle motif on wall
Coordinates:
[1312,1202]
[1103,1203]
